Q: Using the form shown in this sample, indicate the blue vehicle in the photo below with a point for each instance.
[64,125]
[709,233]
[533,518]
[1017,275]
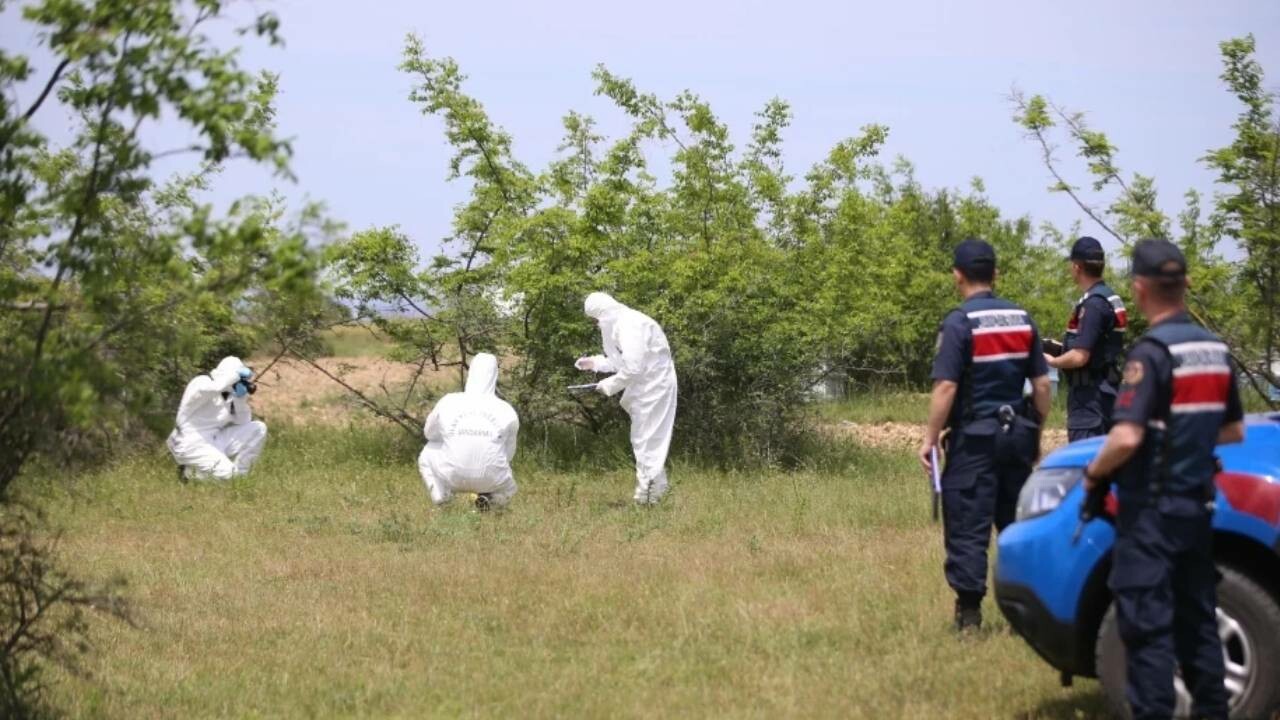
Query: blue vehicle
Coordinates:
[1054,592]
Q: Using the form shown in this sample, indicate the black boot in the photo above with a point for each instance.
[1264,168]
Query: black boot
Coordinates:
[182,474]
[482,502]
[968,613]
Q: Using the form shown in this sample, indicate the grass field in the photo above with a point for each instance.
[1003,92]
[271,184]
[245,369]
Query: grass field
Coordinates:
[899,406]
[355,342]
[325,586]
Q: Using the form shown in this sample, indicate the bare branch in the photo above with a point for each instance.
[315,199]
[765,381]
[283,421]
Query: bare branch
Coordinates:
[1050,163]
[177,151]
[407,422]
[413,382]
[48,88]
[409,301]
[284,350]
[1077,132]
[493,168]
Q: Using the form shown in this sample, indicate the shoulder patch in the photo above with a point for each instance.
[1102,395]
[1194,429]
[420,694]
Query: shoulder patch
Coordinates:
[937,346]
[1133,372]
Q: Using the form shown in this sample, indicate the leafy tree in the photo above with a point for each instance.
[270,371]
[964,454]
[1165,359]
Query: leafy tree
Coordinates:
[763,287]
[96,260]
[1237,300]
[1249,207]
[116,287]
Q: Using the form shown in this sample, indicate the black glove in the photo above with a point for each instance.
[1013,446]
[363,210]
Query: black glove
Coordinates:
[1095,500]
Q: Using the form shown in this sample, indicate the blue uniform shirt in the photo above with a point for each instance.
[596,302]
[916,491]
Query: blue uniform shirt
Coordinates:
[1097,324]
[1147,370]
[1009,353]
[1182,393]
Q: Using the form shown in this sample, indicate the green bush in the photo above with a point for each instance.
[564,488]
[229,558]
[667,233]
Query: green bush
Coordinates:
[763,285]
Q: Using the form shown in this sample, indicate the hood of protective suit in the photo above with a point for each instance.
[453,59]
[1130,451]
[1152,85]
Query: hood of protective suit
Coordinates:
[228,371]
[599,306]
[207,406]
[483,376]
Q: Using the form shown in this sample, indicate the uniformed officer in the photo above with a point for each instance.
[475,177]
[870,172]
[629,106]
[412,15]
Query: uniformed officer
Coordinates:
[1177,401]
[1092,346]
[987,348]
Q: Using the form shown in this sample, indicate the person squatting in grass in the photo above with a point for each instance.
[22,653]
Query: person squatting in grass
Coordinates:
[471,438]
[637,353]
[987,348]
[215,435]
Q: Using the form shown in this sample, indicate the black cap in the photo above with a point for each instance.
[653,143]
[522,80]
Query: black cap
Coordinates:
[973,253]
[1087,249]
[1158,258]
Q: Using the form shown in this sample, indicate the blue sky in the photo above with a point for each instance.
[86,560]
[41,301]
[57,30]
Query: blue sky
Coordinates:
[935,72]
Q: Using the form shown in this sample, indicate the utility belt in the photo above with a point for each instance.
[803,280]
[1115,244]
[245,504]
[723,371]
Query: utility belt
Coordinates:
[1190,503]
[1089,375]
[1154,491]
[1015,431]
[1005,419]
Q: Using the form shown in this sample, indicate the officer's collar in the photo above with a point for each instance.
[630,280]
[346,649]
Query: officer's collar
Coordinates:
[1091,288]
[1182,316]
[981,295]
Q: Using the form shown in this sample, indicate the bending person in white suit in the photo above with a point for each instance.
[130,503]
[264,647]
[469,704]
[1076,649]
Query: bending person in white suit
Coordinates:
[471,438]
[215,435]
[637,353]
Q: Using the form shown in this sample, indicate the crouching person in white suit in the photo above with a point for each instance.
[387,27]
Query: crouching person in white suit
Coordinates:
[471,438]
[215,435]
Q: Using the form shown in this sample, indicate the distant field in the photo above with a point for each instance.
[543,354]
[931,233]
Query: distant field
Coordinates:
[355,342]
[878,407]
[899,406]
[325,586]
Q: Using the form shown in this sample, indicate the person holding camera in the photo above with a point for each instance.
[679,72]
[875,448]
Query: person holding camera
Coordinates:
[215,436]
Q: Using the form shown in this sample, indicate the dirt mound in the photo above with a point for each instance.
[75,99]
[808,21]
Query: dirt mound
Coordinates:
[906,436]
[885,435]
[1052,440]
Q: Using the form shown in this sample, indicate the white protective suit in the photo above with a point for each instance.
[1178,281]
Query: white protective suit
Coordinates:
[471,438]
[637,353]
[215,435]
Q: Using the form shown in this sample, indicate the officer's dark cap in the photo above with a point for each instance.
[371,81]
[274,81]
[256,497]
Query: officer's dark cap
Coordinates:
[974,254]
[1158,259]
[1087,249]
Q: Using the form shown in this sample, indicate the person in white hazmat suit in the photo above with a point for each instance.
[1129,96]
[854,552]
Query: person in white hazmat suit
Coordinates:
[215,435]
[637,353]
[471,438]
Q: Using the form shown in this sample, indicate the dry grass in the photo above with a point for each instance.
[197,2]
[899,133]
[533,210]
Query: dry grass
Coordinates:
[355,341]
[292,391]
[906,436]
[325,586]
